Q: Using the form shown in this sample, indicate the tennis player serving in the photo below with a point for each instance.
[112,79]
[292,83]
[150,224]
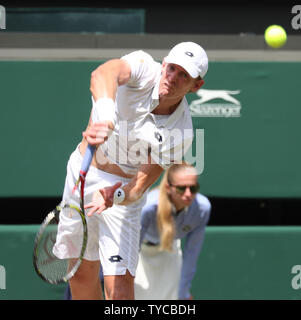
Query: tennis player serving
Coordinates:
[137,103]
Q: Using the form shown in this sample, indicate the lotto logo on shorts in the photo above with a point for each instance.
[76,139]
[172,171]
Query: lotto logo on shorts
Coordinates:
[115,259]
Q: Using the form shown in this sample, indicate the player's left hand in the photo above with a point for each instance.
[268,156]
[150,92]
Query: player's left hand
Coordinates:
[102,199]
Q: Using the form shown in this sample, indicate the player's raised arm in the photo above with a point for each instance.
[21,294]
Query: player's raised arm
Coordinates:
[107,77]
[103,86]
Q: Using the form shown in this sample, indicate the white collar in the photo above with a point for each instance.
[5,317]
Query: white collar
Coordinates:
[170,119]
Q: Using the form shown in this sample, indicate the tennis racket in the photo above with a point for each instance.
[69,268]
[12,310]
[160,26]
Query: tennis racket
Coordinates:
[49,266]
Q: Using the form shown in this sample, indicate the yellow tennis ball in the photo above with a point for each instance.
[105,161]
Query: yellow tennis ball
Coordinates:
[275,36]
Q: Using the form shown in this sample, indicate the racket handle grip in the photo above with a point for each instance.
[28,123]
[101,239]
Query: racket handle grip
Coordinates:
[87,159]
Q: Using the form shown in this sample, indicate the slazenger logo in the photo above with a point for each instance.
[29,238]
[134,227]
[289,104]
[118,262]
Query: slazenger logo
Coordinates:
[200,107]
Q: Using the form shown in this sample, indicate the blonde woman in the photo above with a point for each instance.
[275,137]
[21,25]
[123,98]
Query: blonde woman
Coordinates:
[172,212]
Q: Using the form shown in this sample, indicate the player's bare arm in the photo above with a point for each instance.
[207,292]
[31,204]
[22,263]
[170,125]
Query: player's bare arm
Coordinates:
[146,176]
[104,83]
[107,77]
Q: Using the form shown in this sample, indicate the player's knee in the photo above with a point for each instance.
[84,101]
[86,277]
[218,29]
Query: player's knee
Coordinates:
[120,287]
[87,272]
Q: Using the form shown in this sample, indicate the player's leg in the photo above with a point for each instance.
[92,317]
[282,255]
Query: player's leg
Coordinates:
[120,287]
[85,284]
[118,243]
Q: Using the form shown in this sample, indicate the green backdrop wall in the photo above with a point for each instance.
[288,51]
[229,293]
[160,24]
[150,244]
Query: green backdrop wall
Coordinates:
[235,263]
[102,20]
[251,148]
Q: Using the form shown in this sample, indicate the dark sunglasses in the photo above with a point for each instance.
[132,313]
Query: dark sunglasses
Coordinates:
[182,189]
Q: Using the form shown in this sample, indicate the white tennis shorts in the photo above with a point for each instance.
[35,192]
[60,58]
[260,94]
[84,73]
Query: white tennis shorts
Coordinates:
[158,273]
[113,235]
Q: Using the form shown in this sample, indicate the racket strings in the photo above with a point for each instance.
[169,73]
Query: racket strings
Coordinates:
[50,267]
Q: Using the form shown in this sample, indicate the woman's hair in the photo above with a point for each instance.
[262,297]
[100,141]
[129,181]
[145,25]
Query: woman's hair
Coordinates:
[165,219]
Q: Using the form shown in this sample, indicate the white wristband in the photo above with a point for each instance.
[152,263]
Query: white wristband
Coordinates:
[119,196]
[103,109]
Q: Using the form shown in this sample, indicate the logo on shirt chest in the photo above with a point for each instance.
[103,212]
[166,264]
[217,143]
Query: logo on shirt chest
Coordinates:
[158,136]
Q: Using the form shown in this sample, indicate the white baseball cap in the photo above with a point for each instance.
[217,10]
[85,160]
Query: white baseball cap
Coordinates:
[189,56]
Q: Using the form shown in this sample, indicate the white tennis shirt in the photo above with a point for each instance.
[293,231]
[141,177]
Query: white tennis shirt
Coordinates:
[138,132]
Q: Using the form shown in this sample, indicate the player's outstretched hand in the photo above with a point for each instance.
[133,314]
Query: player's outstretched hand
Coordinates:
[102,199]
